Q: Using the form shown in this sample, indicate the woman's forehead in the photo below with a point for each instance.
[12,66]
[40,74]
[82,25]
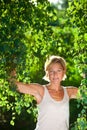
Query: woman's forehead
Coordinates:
[55,66]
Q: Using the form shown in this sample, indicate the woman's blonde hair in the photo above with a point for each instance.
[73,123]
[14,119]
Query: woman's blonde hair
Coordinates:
[52,60]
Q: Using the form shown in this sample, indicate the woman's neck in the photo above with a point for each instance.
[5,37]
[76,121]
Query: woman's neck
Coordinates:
[56,87]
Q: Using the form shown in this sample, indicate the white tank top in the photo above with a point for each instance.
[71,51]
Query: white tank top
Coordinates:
[52,114]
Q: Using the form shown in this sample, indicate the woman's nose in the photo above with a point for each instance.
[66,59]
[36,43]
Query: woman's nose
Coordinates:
[55,73]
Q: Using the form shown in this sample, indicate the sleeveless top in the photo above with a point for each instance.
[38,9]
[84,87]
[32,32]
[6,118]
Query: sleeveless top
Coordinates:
[52,114]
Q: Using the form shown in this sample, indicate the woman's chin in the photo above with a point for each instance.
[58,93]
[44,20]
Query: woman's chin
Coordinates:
[56,81]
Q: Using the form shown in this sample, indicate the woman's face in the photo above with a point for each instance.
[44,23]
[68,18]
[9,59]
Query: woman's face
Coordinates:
[56,73]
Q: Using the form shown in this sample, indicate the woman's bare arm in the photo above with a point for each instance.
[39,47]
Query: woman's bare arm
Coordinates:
[72,92]
[33,89]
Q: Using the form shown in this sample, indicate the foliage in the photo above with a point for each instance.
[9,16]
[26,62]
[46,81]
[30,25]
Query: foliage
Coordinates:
[30,31]
[17,19]
[78,15]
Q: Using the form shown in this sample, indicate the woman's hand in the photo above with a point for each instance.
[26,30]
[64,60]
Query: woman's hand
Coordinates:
[12,77]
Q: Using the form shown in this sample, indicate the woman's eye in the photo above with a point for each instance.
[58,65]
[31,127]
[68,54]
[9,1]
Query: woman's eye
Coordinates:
[53,72]
[59,70]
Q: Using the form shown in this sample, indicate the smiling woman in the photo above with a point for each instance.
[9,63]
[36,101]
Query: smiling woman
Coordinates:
[56,61]
[52,98]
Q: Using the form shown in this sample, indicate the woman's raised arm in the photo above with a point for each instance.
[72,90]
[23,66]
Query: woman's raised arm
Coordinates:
[72,92]
[33,89]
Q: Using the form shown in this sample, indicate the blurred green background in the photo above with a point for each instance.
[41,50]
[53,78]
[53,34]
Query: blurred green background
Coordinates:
[30,31]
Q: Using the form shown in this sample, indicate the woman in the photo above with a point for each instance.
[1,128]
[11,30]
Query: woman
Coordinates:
[52,98]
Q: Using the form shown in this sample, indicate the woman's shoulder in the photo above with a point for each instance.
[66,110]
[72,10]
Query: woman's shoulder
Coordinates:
[40,88]
[72,91]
